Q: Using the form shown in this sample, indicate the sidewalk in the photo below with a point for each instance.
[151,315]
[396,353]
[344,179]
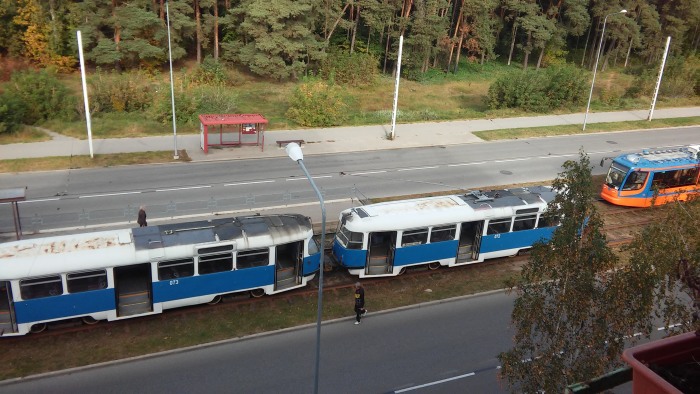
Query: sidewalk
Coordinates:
[330,140]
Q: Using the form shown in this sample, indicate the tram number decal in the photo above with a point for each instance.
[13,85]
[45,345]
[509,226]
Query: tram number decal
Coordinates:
[174,282]
[497,235]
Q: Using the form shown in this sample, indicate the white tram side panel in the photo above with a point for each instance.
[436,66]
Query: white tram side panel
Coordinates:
[129,273]
[384,239]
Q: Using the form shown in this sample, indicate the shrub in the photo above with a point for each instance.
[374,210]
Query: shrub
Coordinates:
[116,92]
[318,103]
[538,90]
[191,103]
[210,72]
[43,94]
[350,68]
[12,112]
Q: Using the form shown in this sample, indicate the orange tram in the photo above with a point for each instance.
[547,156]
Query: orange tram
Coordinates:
[634,178]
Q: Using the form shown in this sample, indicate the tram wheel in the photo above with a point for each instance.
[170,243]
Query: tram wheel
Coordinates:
[216,300]
[257,293]
[434,265]
[402,271]
[37,328]
[89,320]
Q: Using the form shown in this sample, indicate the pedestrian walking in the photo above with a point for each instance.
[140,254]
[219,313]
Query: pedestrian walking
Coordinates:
[359,302]
[142,217]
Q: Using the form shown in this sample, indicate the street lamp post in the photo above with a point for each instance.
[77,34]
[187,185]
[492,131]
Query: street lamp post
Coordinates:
[597,56]
[294,153]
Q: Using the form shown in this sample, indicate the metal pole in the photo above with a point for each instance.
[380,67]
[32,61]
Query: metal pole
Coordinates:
[85,93]
[658,82]
[320,274]
[172,89]
[396,90]
[595,68]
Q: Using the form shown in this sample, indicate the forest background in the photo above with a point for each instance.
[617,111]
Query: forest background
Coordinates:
[319,63]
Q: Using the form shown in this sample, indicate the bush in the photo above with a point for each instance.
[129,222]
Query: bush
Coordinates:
[42,94]
[12,112]
[210,72]
[350,68]
[318,103]
[538,90]
[191,103]
[116,92]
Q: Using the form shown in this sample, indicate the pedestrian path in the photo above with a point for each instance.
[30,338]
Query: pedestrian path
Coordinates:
[328,140]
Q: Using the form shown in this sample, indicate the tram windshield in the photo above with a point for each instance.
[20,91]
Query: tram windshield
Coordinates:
[616,175]
[349,239]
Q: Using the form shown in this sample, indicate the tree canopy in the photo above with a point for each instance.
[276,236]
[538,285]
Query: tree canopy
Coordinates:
[285,39]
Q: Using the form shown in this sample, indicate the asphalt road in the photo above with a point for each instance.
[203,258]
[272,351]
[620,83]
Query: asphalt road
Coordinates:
[111,196]
[445,347]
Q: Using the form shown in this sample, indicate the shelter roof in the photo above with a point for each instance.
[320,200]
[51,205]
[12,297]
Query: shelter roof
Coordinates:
[215,119]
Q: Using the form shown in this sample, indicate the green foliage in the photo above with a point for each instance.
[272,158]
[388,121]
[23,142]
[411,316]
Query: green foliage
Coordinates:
[570,311]
[681,77]
[210,72]
[191,103]
[42,94]
[12,112]
[316,103]
[538,90]
[350,68]
[117,92]
[664,268]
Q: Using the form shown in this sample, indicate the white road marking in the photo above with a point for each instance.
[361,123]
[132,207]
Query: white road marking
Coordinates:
[247,183]
[466,375]
[669,327]
[42,200]
[553,156]
[368,172]
[476,163]
[313,177]
[183,188]
[512,160]
[108,194]
[417,168]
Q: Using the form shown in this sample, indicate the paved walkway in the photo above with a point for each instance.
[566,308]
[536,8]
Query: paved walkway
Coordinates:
[330,140]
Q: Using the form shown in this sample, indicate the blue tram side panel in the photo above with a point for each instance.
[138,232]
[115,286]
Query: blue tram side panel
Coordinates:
[633,178]
[384,239]
[121,274]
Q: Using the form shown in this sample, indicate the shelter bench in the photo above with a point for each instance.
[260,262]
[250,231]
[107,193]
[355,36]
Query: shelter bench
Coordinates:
[282,143]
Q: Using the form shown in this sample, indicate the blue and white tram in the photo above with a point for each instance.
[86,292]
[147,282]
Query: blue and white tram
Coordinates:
[383,239]
[121,274]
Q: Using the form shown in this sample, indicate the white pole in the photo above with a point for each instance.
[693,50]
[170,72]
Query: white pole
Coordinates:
[595,68]
[172,89]
[396,89]
[658,82]
[85,93]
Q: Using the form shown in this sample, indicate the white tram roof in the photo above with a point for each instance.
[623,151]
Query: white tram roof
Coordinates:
[433,211]
[89,251]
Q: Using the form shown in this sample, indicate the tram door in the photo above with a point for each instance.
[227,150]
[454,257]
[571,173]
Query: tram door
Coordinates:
[133,289]
[288,265]
[7,316]
[380,253]
[469,241]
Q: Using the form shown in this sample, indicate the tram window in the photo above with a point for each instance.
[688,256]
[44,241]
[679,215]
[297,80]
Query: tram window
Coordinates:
[351,240]
[86,281]
[499,226]
[253,258]
[41,287]
[524,222]
[616,175]
[172,269]
[414,237]
[548,221]
[635,180]
[314,246]
[444,233]
[215,263]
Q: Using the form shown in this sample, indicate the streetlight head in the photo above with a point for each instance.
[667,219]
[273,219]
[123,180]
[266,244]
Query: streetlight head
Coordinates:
[623,12]
[294,151]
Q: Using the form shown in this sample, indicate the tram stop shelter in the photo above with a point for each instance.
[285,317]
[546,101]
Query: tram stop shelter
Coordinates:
[231,130]
[13,196]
